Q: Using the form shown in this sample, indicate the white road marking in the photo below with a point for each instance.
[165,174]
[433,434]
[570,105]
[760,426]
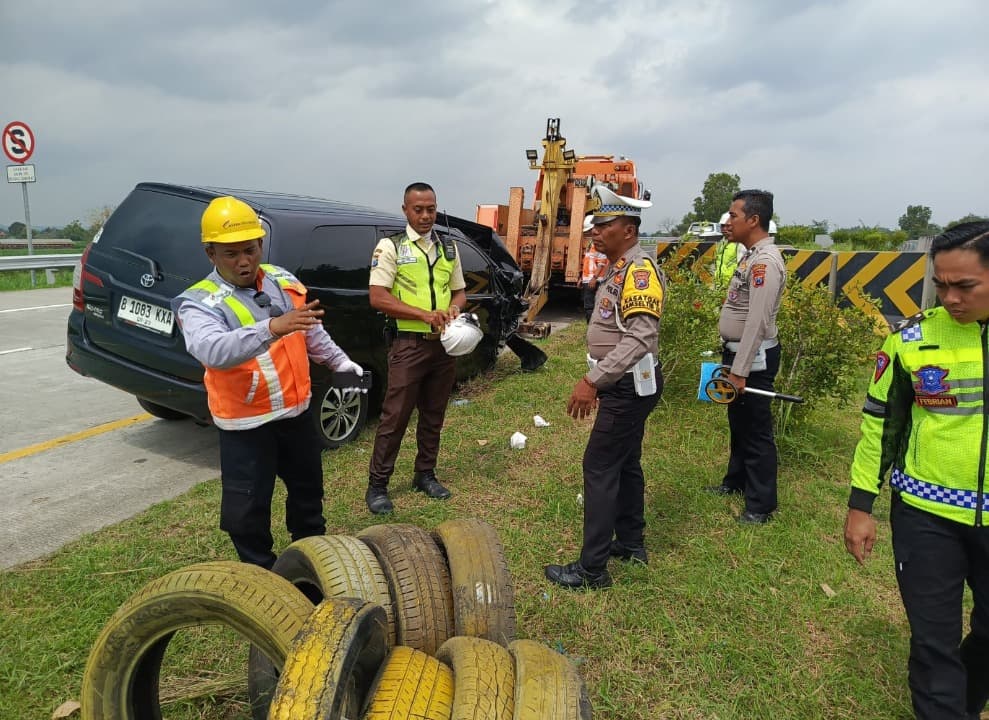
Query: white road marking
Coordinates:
[36,307]
[7,352]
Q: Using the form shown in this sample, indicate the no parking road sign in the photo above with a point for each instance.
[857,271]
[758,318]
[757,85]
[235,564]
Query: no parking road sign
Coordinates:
[18,142]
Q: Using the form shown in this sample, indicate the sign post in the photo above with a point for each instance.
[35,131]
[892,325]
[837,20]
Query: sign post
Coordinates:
[18,145]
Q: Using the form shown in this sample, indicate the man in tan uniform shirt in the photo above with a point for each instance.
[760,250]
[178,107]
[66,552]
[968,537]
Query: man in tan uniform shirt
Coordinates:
[624,382]
[752,353]
[422,300]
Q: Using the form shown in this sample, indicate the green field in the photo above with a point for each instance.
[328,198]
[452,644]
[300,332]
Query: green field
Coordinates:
[21,279]
[726,621]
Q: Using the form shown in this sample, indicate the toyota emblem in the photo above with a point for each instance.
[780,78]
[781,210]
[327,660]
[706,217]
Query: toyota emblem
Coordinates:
[147,280]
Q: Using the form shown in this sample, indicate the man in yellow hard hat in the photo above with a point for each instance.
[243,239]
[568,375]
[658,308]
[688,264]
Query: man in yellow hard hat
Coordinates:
[250,326]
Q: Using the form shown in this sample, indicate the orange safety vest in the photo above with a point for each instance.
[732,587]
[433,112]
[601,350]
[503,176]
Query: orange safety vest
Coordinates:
[269,386]
[593,267]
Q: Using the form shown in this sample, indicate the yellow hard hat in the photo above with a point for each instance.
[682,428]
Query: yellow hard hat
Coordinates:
[229,220]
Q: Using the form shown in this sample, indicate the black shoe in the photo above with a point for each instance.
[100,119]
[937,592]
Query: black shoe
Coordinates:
[377,500]
[722,490]
[629,552]
[574,576]
[753,518]
[426,482]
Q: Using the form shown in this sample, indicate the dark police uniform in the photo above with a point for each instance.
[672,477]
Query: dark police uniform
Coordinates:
[748,329]
[623,328]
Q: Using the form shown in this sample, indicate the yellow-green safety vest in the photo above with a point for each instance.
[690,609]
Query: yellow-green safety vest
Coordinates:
[418,282]
[924,420]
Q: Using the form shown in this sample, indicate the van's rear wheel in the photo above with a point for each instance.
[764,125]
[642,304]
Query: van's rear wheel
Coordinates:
[160,411]
[340,415]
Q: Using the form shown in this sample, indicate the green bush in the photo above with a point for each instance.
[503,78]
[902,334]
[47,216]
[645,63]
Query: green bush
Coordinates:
[824,346]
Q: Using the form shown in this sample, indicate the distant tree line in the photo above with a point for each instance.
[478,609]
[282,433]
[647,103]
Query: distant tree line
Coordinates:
[75,230]
[715,198]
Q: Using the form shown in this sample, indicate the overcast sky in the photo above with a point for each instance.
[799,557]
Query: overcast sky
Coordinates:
[847,111]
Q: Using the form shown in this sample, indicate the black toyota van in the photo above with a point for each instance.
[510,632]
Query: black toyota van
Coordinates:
[122,330]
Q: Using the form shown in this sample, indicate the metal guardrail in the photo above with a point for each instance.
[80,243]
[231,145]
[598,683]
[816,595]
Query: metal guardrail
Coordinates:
[38,262]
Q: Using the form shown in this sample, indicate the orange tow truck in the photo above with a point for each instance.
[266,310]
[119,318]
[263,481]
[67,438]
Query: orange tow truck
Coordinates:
[546,240]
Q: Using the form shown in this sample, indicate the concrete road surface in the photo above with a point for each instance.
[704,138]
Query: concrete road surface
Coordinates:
[75,454]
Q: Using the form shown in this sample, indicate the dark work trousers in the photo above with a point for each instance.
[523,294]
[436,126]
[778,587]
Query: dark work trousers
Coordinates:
[587,297]
[614,486]
[420,376]
[949,677]
[752,464]
[249,461]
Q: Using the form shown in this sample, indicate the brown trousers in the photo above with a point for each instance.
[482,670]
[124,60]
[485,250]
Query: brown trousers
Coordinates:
[420,376]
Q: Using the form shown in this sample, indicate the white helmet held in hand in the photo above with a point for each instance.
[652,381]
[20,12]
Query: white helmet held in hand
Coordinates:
[462,335]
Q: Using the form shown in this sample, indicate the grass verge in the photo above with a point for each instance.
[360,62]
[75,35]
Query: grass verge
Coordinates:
[725,622]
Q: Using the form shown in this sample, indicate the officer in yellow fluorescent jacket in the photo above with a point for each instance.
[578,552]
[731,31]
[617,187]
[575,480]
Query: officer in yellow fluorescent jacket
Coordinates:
[924,423]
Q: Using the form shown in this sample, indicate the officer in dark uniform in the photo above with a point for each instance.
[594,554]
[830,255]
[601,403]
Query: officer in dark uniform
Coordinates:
[752,352]
[624,382]
[417,279]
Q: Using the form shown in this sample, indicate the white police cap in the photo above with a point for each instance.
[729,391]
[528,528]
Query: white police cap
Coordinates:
[614,205]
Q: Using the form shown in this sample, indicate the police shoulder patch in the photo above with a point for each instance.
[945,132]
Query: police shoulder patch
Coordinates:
[642,291]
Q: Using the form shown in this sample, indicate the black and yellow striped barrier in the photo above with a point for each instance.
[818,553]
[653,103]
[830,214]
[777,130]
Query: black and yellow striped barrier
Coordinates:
[895,279]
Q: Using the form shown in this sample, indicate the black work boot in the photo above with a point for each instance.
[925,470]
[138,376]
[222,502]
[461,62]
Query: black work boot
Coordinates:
[377,500]
[629,552]
[574,576]
[426,482]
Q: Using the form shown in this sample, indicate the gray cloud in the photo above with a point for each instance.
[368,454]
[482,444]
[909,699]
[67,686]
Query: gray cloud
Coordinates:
[846,110]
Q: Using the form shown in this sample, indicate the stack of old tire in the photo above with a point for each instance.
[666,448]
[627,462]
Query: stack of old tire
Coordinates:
[395,624]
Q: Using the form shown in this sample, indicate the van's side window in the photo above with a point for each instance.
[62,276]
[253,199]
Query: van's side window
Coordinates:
[339,256]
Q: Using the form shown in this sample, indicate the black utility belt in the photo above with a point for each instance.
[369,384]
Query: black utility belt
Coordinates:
[424,336]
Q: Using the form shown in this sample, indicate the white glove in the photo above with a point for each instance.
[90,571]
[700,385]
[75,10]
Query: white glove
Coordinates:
[349,365]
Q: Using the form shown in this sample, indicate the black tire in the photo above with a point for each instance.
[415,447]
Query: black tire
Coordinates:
[410,686]
[160,411]
[483,678]
[419,582]
[483,591]
[333,662]
[121,677]
[339,415]
[322,566]
[547,685]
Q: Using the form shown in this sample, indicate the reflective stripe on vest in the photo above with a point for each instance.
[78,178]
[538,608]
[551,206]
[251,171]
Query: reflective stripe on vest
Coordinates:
[412,281]
[967,499]
[233,393]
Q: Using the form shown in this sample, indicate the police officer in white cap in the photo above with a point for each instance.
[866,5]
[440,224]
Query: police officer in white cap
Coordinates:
[624,383]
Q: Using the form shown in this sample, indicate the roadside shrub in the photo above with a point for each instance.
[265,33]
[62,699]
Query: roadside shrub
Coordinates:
[689,325]
[824,346]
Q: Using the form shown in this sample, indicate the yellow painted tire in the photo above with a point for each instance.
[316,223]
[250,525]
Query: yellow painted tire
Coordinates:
[483,591]
[419,582]
[547,684]
[321,566]
[411,685]
[483,678]
[121,677]
[325,566]
[333,662]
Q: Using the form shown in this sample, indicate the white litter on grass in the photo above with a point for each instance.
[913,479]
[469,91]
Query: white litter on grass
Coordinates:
[517,441]
[538,420]
[580,498]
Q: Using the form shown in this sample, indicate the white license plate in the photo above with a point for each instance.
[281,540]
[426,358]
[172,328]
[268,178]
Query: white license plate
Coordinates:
[146,315]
